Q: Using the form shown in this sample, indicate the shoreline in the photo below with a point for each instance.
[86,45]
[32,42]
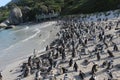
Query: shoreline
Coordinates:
[48,40]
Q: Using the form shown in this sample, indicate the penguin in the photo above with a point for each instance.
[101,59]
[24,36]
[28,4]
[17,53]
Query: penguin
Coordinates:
[75,67]
[81,75]
[110,53]
[70,62]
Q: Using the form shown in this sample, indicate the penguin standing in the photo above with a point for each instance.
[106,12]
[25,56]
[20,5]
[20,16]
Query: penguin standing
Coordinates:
[94,68]
[75,67]
[115,48]
[70,62]
[51,61]
[110,76]
[82,75]
[73,52]
[98,56]
[63,54]
[110,65]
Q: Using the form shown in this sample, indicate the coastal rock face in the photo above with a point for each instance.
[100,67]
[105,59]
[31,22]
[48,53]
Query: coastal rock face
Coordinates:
[15,16]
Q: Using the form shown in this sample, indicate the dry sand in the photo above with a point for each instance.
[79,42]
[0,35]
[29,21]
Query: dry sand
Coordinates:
[12,71]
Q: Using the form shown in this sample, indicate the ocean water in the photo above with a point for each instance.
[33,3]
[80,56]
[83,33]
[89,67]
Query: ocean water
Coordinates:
[21,41]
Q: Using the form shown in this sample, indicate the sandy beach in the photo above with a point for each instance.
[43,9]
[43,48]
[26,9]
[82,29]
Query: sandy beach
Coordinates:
[12,71]
[47,35]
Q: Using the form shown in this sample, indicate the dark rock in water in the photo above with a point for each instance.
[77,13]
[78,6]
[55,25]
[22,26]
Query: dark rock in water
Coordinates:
[9,27]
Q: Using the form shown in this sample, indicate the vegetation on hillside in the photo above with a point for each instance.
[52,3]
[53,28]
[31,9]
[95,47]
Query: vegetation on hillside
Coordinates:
[4,12]
[90,6]
[62,6]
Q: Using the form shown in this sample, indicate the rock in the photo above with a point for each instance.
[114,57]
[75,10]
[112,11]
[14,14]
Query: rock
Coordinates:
[5,25]
[2,25]
[9,27]
[15,16]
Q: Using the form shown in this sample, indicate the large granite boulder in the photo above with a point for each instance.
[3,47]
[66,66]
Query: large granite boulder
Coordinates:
[15,16]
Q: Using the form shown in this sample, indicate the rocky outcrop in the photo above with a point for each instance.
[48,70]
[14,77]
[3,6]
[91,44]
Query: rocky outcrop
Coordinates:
[4,24]
[15,16]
